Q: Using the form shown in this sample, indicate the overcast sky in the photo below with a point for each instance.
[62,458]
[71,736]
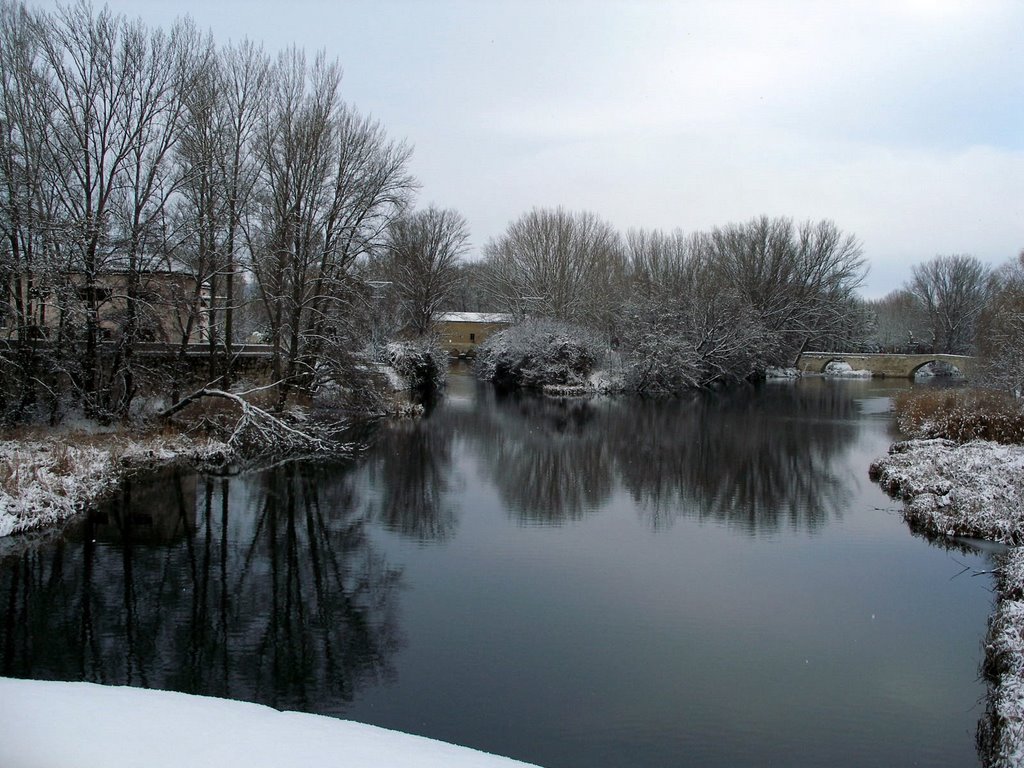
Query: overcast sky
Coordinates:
[901,120]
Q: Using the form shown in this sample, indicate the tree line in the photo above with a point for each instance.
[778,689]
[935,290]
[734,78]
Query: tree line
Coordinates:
[682,310]
[159,186]
[958,305]
[709,307]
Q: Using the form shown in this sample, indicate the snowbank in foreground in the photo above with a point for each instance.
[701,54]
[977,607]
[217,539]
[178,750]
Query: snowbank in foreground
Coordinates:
[81,725]
[972,489]
[44,482]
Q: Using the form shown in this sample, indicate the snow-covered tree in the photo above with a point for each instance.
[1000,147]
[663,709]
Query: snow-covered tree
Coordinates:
[332,183]
[953,290]
[421,262]
[1001,329]
[799,280]
[558,264]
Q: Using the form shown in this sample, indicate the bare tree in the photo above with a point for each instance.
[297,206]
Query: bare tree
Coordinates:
[125,151]
[219,170]
[331,184]
[900,323]
[469,294]
[422,255]
[114,113]
[25,269]
[1000,338]
[558,264]
[684,327]
[954,291]
[163,69]
[799,280]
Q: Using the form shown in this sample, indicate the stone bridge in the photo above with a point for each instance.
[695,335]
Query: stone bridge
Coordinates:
[883,365]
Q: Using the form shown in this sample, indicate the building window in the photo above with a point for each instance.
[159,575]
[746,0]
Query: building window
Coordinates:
[472,337]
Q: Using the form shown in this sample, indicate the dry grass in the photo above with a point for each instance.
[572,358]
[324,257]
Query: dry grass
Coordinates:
[961,415]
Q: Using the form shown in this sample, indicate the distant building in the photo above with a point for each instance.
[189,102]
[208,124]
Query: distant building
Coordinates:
[462,332]
[166,299]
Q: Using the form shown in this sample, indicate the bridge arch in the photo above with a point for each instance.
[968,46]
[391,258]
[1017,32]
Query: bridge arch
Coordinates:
[938,360]
[834,359]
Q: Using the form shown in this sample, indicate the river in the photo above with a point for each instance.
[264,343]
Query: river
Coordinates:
[708,581]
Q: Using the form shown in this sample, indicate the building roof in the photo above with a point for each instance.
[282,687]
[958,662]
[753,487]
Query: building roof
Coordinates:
[476,317]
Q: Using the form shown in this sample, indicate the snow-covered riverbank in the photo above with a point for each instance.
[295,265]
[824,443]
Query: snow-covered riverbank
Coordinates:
[82,725]
[46,480]
[976,490]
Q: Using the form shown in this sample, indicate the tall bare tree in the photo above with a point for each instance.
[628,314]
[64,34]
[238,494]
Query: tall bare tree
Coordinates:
[684,326]
[900,322]
[331,184]
[219,168]
[1000,337]
[799,280]
[25,269]
[953,290]
[556,263]
[422,257]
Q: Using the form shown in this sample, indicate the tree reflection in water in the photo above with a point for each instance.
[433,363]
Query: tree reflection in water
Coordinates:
[755,463]
[755,459]
[264,588]
[549,462]
[267,587]
[411,466]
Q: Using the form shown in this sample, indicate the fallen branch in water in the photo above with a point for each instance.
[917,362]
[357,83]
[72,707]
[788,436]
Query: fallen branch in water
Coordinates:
[258,431]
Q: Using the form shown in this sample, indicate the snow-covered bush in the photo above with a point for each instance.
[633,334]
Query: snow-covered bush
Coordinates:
[422,364]
[841,370]
[671,344]
[1001,731]
[538,352]
[659,364]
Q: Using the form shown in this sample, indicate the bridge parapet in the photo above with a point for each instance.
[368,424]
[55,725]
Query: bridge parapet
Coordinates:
[884,365]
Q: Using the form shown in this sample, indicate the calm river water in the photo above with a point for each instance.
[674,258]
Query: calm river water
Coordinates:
[711,581]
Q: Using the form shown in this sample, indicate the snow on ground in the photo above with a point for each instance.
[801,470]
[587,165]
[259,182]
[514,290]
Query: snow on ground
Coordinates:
[46,481]
[837,370]
[972,489]
[82,725]
[1005,658]
[976,489]
[772,373]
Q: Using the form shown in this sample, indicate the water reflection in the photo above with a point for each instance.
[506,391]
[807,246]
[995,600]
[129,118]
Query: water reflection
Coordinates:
[283,586]
[758,460]
[411,466]
[265,589]
[752,462]
[549,462]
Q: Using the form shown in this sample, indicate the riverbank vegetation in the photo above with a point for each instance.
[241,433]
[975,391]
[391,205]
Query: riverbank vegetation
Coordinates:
[962,475]
[961,415]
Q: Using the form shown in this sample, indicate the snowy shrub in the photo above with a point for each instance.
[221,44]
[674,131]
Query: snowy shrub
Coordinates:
[537,353]
[422,364]
[841,370]
[674,344]
[781,374]
[961,415]
[661,365]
